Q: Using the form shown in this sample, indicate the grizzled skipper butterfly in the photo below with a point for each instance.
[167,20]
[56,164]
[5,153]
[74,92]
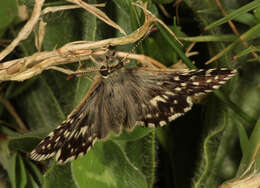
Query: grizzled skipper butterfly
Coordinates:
[123,97]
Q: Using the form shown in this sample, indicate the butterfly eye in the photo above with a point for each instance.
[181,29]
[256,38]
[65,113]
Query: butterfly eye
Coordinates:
[103,71]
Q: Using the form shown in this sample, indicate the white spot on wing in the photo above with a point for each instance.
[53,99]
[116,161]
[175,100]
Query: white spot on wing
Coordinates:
[227,78]
[57,139]
[189,101]
[169,93]
[176,78]
[69,159]
[162,123]
[187,109]
[81,154]
[81,115]
[66,133]
[208,73]
[149,116]
[83,130]
[165,96]
[58,154]
[173,117]
[195,83]
[199,94]
[151,125]
[51,134]
[192,78]
[156,99]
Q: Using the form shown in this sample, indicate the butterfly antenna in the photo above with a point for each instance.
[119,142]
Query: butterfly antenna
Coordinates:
[135,46]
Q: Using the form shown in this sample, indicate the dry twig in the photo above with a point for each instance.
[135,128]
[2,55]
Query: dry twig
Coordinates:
[98,13]
[26,30]
[13,112]
[67,7]
[27,67]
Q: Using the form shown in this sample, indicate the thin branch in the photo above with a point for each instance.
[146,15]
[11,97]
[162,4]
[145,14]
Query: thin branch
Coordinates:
[98,13]
[27,67]
[234,29]
[145,60]
[26,30]
[157,20]
[48,10]
[13,112]
[67,7]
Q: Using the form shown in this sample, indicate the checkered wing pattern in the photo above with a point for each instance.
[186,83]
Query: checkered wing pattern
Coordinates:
[124,99]
[170,92]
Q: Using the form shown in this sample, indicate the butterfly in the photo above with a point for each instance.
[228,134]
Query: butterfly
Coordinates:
[122,97]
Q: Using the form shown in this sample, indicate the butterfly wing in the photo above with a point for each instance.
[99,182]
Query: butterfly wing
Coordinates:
[170,92]
[128,97]
[75,136]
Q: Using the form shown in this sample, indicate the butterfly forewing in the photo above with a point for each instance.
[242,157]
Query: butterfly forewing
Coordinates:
[124,99]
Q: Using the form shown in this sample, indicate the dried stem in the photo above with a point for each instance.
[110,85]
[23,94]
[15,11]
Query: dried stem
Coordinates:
[145,60]
[26,30]
[13,112]
[27,67]
[98,13]
[67,7]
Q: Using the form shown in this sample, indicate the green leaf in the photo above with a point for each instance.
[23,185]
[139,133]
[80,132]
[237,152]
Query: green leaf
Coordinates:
[21,177]
[12,170]
[215,146]
[142,154]
[252,154]
[244,142]
[247,19]
[137,133]
[257,13]
[59,176]
[31,182]
[107,166]
[33,173]
[23,143]
[247,51]
[250,6]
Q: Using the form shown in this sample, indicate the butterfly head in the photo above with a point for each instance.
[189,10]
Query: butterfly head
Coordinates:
[108,67]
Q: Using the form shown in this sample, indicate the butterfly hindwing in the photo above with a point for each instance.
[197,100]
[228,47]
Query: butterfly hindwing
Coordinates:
[170,92]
